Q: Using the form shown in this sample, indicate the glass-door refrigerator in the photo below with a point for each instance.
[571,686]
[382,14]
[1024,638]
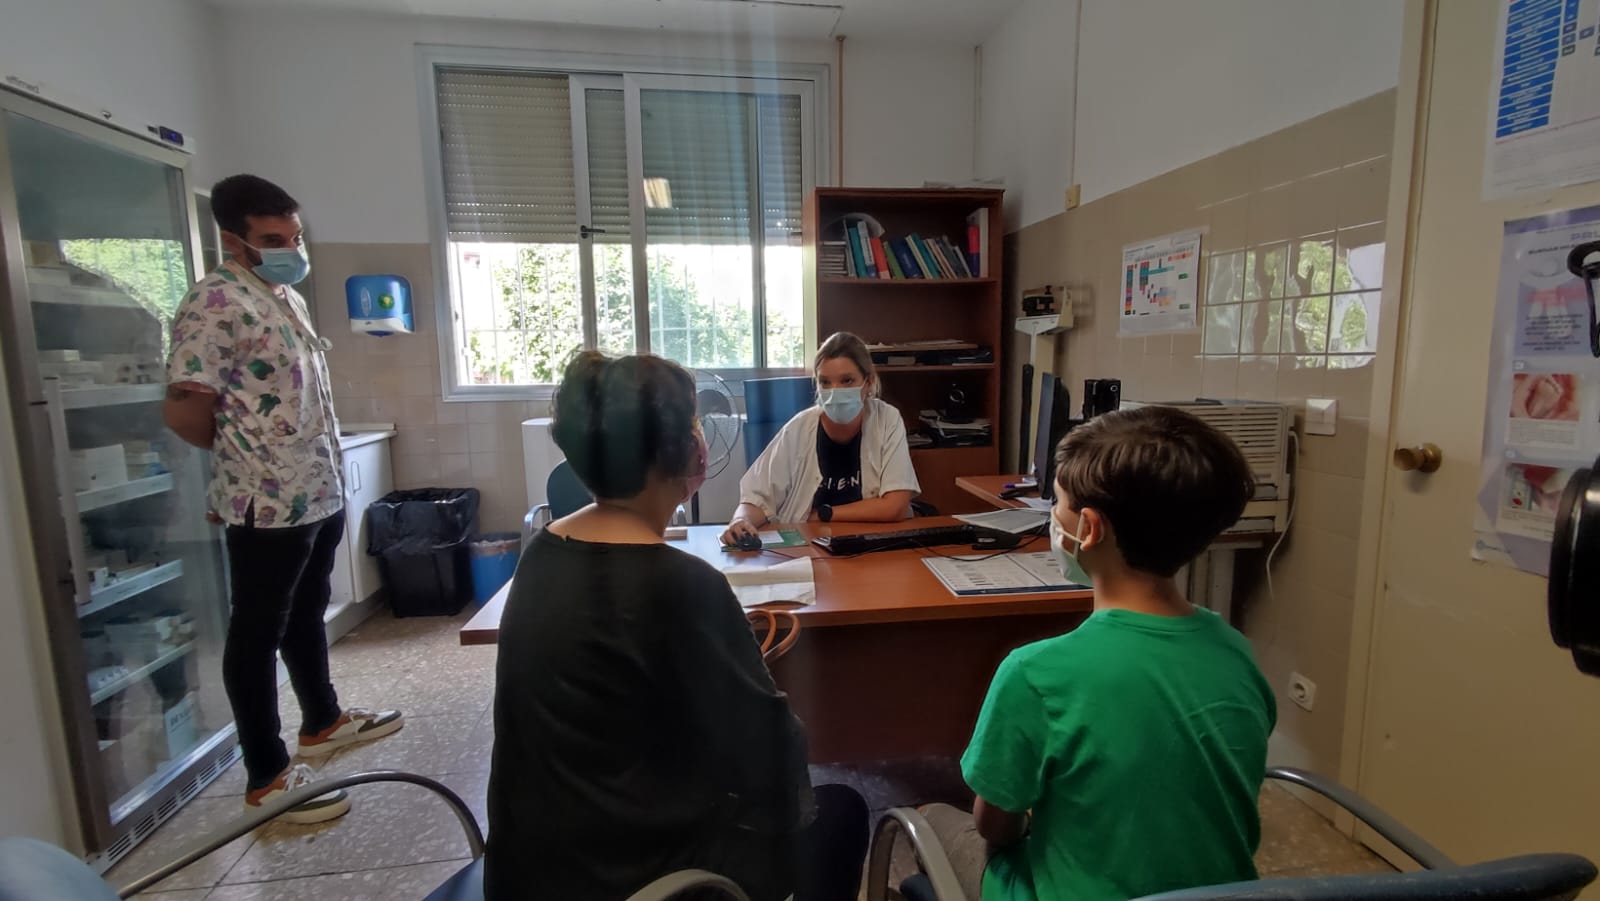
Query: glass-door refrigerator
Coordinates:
[99,245]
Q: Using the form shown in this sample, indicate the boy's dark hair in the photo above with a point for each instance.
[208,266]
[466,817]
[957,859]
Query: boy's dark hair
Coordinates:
[1168,482]
[618,419]
[240,196]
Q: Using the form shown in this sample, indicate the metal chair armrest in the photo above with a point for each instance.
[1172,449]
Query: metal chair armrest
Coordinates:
[673,884]
[1413,845]
[293,799]
[930,854]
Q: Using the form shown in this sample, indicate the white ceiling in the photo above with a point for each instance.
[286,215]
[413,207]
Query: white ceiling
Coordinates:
[962,22]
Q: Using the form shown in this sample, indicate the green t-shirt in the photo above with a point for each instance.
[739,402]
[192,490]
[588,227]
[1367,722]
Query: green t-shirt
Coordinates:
[1139,742]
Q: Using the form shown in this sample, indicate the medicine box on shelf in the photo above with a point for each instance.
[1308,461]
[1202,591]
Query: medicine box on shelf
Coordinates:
[99,467]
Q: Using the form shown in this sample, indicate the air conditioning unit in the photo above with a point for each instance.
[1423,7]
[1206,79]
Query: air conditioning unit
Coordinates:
[1261,430]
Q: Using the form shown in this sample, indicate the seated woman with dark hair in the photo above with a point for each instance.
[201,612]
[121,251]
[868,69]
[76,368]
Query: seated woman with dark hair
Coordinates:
[637,730]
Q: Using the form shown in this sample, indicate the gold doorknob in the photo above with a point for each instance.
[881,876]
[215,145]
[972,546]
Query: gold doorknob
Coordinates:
[1422,458]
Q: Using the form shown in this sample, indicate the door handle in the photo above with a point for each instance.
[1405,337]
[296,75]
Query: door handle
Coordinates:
[1423,458]
[355,475]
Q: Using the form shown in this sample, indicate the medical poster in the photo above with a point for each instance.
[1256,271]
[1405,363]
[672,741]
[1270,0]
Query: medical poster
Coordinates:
[1544,112]
[1160,285]
[1543,416]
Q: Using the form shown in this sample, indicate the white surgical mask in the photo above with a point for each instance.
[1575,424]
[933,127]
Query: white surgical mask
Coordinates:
[1071,567]
[842,405]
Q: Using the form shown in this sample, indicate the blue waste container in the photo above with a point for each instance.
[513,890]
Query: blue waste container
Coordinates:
[494,561]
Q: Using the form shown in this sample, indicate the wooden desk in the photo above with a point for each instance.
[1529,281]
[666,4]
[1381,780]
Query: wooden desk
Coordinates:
[891,665]
[988,488]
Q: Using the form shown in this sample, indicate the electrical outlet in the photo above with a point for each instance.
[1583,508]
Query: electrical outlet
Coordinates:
[1302,691]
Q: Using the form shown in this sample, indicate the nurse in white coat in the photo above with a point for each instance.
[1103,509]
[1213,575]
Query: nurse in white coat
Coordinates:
[843,460]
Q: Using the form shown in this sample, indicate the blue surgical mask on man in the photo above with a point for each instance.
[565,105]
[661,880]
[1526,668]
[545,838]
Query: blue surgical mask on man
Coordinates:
[282,265]
[1071,567]
[842,405]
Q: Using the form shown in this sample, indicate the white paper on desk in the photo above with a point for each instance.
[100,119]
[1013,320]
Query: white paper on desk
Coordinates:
[790,582]
[1003,574]
[1036,503]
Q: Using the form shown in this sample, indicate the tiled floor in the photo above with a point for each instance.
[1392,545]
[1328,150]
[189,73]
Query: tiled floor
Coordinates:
[398,843]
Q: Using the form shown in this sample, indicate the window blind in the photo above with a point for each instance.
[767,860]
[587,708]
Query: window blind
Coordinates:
[506,146]
[699,144]
[608,165]
[782,185]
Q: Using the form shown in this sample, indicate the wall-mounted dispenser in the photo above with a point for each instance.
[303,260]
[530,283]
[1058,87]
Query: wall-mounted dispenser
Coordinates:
[379,304]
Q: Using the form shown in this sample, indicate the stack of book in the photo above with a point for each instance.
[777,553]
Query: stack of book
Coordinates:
[913,256]
[831,257]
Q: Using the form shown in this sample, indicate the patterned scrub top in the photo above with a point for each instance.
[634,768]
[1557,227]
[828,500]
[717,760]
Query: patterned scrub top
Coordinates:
[277,445]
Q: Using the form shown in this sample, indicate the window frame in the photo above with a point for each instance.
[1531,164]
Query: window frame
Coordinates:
[589,70]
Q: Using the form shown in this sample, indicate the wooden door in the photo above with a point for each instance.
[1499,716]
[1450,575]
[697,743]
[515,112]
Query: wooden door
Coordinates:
[1478,731]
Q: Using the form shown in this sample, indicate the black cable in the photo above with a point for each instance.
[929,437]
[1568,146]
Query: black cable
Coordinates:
[988,556]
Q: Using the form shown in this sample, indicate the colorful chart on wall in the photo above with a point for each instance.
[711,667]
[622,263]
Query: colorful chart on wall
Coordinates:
[1544,120]
[1160,286]
[1543,414]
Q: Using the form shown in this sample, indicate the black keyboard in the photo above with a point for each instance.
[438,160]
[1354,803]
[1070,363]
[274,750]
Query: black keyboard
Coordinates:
[850,545]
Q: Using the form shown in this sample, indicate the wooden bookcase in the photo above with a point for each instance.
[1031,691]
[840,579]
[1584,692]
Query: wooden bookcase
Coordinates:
[893,310]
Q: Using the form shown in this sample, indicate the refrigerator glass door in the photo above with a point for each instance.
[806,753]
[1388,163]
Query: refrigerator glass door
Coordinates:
[107,254]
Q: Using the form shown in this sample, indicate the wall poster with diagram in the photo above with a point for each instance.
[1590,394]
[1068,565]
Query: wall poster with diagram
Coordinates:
[1160,286]
[1543,415]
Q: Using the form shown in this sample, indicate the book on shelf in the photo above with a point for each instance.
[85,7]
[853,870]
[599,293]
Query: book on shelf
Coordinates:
[894,262]
[831,259]
[867,252]
[878,261]
[978,241]
[908,263]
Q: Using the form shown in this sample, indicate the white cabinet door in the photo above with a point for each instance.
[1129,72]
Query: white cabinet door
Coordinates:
[369,478]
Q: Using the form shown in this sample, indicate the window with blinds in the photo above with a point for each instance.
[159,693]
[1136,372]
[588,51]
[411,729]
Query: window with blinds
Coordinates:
[539,267]
[506,146]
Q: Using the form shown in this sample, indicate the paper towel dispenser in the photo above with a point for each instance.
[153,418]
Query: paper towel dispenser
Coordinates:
[379,304]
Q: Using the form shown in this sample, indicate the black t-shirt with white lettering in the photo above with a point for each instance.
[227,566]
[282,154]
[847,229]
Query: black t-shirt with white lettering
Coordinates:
[841,470]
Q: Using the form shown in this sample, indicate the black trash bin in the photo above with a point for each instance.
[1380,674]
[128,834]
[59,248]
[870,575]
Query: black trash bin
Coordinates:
[420,539]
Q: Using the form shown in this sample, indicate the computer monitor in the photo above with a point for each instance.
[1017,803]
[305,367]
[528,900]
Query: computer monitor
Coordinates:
[1055,420]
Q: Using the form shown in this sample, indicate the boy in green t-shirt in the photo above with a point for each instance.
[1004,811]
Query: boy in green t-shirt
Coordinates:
[1125,757]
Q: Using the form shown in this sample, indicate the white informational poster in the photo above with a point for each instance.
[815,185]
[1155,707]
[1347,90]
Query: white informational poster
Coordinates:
[1543,414]
[1161,285]
[1544,108]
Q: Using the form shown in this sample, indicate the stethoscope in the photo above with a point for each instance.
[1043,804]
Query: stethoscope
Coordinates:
[1573,596]
[1578,264]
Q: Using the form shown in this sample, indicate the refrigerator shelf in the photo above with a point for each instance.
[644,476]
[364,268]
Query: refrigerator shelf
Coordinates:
[133,586]
[96,498]
[110,396]
[136,675]
[78,296]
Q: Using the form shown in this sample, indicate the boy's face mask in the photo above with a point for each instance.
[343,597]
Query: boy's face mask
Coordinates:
[1071,567]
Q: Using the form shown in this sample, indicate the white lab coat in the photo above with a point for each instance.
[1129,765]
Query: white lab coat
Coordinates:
[785,478]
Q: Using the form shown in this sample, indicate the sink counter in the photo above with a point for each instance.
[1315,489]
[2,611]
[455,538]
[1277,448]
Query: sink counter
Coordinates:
[358,434]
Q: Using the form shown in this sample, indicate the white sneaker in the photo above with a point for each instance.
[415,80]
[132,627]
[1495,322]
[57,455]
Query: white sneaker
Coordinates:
[355,725]
[320,809]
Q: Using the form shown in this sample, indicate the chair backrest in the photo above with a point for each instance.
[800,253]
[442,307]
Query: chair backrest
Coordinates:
[565,493]
[768,404]
[1531,877]
[31,870]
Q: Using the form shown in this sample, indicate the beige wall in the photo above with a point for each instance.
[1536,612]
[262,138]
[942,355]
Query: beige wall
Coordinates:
[1294,202]
[396,379]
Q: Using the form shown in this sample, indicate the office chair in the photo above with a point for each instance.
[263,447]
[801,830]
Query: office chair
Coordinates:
[31,869]
[566,495]
[768,404]
[1528,877]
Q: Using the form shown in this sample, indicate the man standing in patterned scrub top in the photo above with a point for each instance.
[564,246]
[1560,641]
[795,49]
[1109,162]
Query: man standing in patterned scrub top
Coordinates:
[247,381]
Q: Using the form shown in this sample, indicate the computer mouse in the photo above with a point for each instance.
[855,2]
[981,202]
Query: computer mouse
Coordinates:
[748,543]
